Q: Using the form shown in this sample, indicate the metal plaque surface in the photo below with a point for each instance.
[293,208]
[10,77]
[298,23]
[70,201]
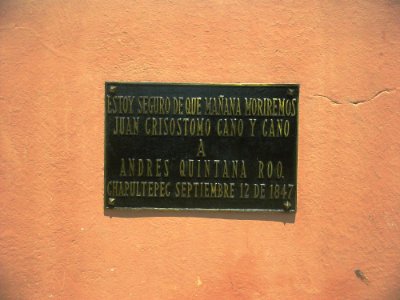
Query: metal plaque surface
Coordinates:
[201,146]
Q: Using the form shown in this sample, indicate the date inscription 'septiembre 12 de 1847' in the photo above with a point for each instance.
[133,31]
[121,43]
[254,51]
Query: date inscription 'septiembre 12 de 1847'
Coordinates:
[201,146]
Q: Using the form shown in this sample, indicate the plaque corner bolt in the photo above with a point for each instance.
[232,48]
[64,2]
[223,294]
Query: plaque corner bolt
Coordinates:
[287,205]
[113,89]
[111,202]
[290,92]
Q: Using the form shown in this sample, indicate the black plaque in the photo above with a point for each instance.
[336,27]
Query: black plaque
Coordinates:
[201,146]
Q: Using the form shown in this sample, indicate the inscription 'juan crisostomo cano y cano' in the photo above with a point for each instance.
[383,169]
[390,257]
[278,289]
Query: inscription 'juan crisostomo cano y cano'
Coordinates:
[201,146]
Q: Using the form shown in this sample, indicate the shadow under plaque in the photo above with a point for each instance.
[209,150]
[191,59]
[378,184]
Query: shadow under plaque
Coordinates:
[271,216]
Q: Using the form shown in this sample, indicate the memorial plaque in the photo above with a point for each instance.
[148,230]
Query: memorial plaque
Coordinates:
[201,146]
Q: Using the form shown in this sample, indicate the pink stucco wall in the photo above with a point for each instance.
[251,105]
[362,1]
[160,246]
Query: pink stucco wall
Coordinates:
[55,240]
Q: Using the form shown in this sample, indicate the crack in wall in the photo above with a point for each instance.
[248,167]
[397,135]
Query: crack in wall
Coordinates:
[357,102]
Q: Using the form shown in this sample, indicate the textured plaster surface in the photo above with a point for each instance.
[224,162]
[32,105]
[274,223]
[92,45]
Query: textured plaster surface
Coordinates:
[56,242]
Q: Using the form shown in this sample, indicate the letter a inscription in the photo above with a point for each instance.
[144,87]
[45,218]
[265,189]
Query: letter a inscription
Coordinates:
[200,151]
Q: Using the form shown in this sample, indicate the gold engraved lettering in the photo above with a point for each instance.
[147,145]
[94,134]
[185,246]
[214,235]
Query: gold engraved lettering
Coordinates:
[207,164]
[230,127]
[244,190]
[178,105]
[234,169]
[140,167]
[225,170]
[269,107]
[243,170]
[146,127]
[154,105]
[200,151]
[177,189]
[126,126]
[144,188]
[149,167]
[131,167]
[158,167]
[109,190]
[193,105]
[120,104]
[167,192]
[271,129]
[154,131]
[198,169]
[144,167]
[279,128]
[182,168]
[215,168]
[259,191]
[150,189]
[190,167]
[126,188]
[213,191]
[177,127]
[276,128]
[166,167]
[293,107]
[252,123]
[204,190]
[110,110]
[162,189]
[282,103]
[207,190]
[156,186]
[122,171]
[274,106]
[222,106]
[216,164]
[260,169]
[268,169]
[259,106]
